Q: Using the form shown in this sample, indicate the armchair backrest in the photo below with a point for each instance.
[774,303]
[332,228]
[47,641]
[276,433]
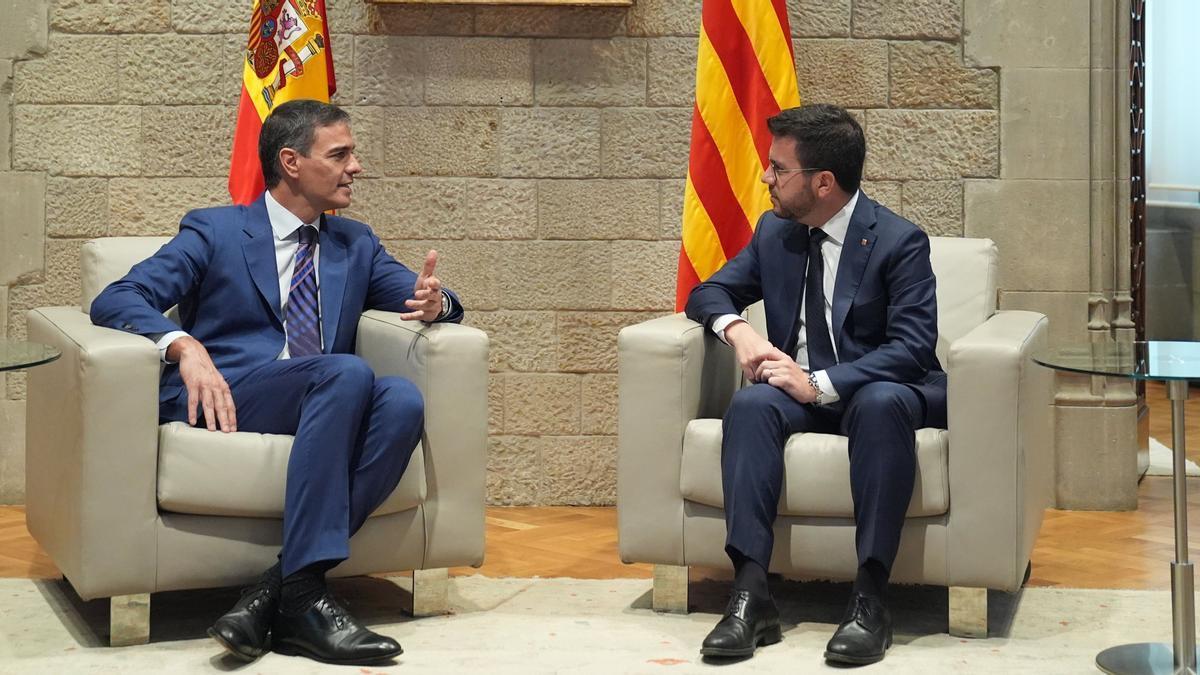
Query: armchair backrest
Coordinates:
[966,272]
[103,261]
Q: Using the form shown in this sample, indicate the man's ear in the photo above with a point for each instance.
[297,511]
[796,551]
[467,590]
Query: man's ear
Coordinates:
[289,162]
[826,182]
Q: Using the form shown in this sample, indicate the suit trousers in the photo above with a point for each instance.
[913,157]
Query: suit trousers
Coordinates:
[880,420]
[354,436]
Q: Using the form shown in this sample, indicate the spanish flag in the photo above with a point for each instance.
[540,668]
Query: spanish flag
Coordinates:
[745,73]
[287,57]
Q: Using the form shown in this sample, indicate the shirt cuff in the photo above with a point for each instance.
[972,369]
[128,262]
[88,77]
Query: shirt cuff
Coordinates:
[722,322]
[828,393]
[165,341]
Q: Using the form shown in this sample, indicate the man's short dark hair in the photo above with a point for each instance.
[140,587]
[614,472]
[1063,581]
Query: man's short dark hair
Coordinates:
[827,137]
[293,125]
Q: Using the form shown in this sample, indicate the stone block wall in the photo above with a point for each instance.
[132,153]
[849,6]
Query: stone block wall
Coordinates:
[541,150]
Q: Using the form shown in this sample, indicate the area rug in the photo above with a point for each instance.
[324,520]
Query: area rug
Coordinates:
[573,626]
[1162,461]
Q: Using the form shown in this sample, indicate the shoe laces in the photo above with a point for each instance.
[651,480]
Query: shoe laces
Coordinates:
[737,604]
[329,605]
[260,595]
[862,607]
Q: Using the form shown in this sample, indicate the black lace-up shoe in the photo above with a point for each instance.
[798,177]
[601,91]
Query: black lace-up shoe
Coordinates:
[244,629]
[749,621]
[865,633]
[326,632]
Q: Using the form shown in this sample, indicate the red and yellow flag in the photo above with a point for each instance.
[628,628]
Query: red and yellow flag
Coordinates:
[288,57]
[745,73]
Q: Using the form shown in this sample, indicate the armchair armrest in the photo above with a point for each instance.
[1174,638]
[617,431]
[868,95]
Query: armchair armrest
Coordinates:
[670,371]
[92,453]
[1001,450]
[449,364]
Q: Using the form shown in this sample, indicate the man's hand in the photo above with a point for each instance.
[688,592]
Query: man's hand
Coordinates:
[206,387]
[749,347]
[426,302]
[779,370]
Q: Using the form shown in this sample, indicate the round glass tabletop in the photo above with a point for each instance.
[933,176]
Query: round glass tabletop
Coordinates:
[1149,360]
[15,354]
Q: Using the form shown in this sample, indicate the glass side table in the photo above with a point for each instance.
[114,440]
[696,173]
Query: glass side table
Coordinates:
[15,355]
[1173,363]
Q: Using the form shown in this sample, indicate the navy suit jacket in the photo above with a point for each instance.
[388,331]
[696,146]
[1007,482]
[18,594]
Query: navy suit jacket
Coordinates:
[221,272]
[884,307]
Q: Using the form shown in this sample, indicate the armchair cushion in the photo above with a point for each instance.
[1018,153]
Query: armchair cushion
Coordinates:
[967,271]
[816,473]
[204,472]
[103,261]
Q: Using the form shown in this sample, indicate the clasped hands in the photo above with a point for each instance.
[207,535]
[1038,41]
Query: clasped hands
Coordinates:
[763,362]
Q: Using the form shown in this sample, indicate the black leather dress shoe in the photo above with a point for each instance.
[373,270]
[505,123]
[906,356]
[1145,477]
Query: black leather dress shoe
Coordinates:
[749,621]
[244,629]
[865,633]
[326,632]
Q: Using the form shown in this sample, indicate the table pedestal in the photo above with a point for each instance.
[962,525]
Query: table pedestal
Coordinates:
[1143,658]
[1154,658]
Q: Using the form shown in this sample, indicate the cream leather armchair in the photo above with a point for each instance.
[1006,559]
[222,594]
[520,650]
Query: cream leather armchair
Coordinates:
[127,507]
[981,485]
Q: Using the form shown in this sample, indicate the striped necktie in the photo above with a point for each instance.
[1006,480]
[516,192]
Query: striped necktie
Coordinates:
[303,317]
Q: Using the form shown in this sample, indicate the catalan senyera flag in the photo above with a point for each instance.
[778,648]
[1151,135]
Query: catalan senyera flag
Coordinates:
[745,73]
[287,57]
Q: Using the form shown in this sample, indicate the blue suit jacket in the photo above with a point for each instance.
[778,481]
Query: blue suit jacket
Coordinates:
[220,270]
[884,307]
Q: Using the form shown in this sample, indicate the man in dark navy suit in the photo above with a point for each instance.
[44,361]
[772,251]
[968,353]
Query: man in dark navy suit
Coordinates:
[851,329]
[269,299]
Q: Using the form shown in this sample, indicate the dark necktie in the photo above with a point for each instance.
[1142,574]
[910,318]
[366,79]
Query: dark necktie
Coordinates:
[820,349]
[303,317]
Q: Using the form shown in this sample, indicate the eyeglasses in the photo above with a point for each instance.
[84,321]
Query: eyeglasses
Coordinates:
[776,171]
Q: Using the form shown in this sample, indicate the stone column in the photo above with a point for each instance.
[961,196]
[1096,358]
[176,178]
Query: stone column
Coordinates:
[24,33]
[1059,213]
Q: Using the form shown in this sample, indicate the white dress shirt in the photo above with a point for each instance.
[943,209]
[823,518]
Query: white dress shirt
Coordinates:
[285,226]
[831,254]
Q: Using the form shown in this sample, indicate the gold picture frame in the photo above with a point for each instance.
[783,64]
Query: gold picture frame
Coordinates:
[543,3]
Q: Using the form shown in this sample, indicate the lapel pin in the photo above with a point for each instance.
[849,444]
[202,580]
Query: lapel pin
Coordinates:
[863,242]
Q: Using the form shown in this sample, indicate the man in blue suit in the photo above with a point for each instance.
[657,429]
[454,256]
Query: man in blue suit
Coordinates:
[269,299]
[851,330]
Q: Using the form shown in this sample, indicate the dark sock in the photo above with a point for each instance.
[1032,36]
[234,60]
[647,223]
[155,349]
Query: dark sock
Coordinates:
[302,588]
[750,576]
[872,579]
[273,577]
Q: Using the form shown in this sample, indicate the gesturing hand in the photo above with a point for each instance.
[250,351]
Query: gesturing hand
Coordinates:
[426,302]
[780,370]
[206,387]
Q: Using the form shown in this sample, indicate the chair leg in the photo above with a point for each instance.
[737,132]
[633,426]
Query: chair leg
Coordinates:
[968,612]
[129,620]
[431,592]
[670,589]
